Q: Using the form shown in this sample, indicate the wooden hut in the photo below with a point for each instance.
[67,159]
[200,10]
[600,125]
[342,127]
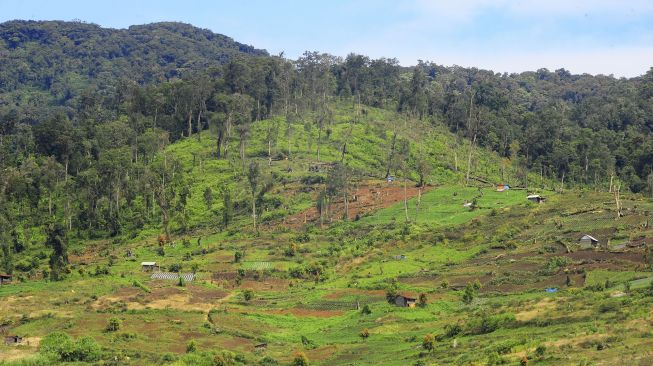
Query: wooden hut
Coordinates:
[5,278]
[405,301]
[149,266]
[535,198]
[588,241]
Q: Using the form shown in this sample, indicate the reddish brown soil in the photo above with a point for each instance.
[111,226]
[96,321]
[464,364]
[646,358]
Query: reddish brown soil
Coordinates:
[270,284]
[338,294]
[595,256]
[367,198]
[307,312]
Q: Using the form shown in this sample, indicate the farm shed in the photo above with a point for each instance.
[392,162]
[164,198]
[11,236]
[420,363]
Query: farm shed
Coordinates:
[405,301]
[13,340]
[535,198]
[260,347]
[588,241]
[149,266]
[5,278]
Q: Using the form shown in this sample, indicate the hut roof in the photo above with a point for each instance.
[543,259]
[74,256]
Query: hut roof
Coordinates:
[590,237]
[148,263]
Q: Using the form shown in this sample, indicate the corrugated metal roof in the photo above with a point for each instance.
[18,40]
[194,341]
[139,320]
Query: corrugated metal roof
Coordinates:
[590,237]
[148,263]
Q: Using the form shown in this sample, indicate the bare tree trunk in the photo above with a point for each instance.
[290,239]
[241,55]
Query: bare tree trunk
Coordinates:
[254,210]
[419,202]
[319,139]
[469,160]
[190,123]
[617,198]
[406,196]
[392,154]
[199,126]
[562,182]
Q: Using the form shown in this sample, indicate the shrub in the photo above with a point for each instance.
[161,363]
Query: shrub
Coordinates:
[238,256]
[248,294]
[423,300]
[540,350]
[61,346]
[191,347]
[175,267]
[365,333]
[225,358]
[429,342]
[469,294]
[366,310]
[113,325]
[268,361]
[452,330]
[300,359]
[291,250]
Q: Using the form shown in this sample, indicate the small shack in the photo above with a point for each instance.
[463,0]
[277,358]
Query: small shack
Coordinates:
[390,179]
[502,187]
[405,301]
[588,241]
[5,278]
[260,347]
[535,198]
[149,266]
[400,257]
[13,340]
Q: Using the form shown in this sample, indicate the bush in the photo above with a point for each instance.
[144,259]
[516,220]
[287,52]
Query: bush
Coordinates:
[61,346]
[175,267]
[540,350]
[452,330]
[113,325]
[300,359]
[238,256]
[469,294]
[248,294]
[366,310]
[365,333]
[191,347]
[268,361]
[423,300]
[429,342]
[225,358]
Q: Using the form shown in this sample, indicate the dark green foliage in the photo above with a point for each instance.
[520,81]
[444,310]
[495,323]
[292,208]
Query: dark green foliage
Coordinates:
[113,325]
[191,346]
[238,256]
[64,348]
[300,359]
[58,241]
[248,294]
[469,294]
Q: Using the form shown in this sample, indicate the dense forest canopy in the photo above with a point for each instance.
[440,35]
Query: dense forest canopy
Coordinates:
[86,112]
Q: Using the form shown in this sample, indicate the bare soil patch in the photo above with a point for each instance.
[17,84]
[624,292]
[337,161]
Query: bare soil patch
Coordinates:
[367,198]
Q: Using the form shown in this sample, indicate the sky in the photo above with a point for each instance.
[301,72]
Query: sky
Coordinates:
[583,36]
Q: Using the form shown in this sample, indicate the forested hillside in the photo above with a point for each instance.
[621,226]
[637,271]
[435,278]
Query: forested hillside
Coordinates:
[302,204]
